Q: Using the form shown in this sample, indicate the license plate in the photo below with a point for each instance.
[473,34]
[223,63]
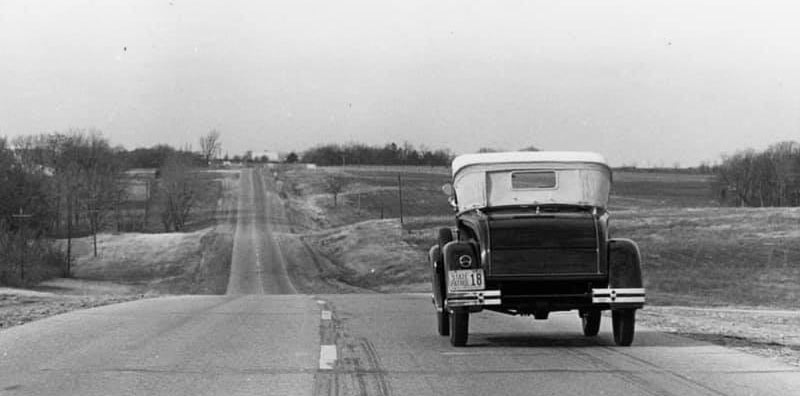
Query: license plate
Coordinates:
[471,279]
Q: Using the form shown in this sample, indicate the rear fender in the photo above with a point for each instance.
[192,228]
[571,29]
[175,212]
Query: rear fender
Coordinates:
[624,264]
[462,255]
[454,256]
[625,289]
[433,257]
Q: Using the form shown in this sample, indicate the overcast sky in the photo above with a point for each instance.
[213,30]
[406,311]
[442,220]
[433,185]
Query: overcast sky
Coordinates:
[644,82]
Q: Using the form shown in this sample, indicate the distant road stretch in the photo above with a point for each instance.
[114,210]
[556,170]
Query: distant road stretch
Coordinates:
[257,265]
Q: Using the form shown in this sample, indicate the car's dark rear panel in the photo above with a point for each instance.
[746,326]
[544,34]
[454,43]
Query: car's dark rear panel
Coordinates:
[544,245]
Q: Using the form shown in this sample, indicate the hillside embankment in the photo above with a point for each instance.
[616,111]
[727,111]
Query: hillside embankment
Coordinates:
[131,266]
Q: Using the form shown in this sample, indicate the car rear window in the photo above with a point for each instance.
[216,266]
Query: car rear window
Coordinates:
[529,180]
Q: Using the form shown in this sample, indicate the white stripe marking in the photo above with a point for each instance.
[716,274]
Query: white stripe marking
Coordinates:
[327,357]
[326,315]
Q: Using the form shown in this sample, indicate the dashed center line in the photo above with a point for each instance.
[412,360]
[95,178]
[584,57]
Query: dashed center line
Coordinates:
[327,357]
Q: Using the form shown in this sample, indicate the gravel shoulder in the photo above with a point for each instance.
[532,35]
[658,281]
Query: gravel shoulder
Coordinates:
[761,331]
[20,306]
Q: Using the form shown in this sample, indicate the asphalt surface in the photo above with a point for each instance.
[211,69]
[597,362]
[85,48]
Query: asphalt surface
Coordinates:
[389,346]
[257,265]
[251,342]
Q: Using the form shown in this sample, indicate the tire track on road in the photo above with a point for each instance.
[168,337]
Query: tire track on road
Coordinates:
[358,369]
[652,380]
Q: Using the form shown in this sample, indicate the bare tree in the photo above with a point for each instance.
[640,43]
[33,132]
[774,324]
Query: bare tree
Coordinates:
[769,178]
[179,189]
[784,157]
[210,145]
[68,149]
[335,184]
[100,172]
[25,213]
[291,158]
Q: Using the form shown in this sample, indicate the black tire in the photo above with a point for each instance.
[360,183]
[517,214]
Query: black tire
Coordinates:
[443,322]
[624,324]
[591,322]
[442,318]
[459,328]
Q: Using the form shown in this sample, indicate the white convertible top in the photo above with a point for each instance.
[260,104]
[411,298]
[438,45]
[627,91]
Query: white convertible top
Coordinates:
[465,160]
[486,180]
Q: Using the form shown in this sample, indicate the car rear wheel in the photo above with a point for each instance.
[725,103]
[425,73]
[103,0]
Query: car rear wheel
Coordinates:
[443,322]
[624,323]
[591,322]
[459,328]
[442,317]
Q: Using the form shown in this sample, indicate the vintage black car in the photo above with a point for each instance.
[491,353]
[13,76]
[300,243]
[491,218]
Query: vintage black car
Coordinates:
[531,237]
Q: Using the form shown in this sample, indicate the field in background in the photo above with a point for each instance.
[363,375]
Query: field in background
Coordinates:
[142,203]
[695,253]
[646,190]
[196,261]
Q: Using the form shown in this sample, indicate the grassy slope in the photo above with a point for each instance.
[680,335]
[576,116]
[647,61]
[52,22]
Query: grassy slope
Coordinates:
[137,265]
[195,262]
[717,256]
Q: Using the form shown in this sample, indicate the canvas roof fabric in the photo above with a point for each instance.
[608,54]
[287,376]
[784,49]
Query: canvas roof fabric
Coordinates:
[465,160]
[485,180]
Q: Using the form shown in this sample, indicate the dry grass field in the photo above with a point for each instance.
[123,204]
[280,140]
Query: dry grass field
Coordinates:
[138,215]
[717,256]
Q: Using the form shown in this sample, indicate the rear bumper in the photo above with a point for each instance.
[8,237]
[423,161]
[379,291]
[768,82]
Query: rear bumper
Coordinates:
[619,297]
[609,298]
[472,298]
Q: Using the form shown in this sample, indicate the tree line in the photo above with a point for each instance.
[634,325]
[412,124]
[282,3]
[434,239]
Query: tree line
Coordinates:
[362,154]
[761,178]
[65,185]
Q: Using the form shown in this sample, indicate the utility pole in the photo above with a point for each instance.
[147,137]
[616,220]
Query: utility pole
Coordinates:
[400,196]
[67,270]
[21,218]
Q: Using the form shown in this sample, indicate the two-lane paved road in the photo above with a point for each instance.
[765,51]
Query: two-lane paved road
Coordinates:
[257,265]
[386,345]
[250,342]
